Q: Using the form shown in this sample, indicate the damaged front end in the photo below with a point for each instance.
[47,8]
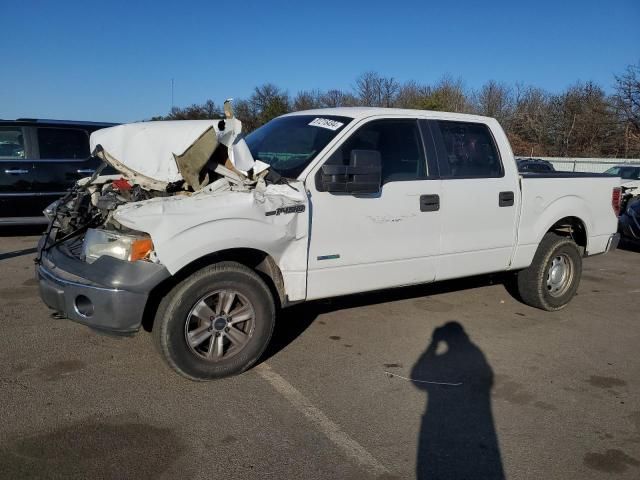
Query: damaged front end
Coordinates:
[176,179]
[89,204]
[145,155]
[183,190]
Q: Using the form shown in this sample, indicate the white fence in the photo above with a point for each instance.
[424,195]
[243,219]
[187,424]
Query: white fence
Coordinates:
[593,165]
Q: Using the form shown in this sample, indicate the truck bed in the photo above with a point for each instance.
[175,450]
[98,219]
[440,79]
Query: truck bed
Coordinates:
[585,196]
[563,175]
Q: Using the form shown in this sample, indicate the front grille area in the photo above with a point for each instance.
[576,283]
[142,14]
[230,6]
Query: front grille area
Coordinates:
[73,247]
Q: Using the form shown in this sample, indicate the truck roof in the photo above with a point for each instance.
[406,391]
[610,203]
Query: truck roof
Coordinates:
[363,112]
[47,121]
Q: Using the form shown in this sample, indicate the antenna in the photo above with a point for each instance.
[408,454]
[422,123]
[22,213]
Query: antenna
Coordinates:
[172,104]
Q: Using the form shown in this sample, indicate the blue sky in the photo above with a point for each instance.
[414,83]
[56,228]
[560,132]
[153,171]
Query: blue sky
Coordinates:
[114,60]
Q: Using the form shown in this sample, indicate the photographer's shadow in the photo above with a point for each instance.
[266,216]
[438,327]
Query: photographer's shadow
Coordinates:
[457,437]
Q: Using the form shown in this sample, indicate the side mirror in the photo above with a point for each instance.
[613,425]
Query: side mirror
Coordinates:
[362,175]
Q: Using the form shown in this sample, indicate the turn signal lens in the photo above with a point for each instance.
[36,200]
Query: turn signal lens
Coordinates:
[140,249]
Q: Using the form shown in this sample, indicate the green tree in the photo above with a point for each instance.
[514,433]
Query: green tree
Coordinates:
[448,95]
[268,102]
[204,111]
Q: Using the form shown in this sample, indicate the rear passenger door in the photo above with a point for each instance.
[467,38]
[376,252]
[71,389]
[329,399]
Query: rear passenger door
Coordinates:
[17,173]
[63,158]
[479,204]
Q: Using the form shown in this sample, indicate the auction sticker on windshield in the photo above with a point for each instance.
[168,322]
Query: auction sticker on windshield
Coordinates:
[326,123]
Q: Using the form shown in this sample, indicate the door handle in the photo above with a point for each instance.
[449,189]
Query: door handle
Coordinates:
[17,171]
[85,170]
[429,203]
[506,199]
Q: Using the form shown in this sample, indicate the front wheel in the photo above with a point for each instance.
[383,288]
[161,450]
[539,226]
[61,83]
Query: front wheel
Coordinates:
[216,323]
[552,279]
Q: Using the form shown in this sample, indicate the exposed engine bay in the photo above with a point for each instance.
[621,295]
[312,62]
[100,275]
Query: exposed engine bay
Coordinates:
[91,202]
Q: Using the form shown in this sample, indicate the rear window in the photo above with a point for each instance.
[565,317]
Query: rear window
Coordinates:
[11,143]
[63,143]
[470,150]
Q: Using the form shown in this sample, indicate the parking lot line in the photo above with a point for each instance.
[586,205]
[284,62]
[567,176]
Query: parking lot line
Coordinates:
[329,428]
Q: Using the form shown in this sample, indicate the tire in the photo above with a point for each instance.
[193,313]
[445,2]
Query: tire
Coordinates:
[544,284]
[216,323]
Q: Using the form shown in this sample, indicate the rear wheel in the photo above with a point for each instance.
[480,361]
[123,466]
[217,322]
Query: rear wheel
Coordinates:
[553,277]
[216,323]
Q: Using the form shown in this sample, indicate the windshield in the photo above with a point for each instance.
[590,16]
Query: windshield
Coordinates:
[289,144]
[626,173]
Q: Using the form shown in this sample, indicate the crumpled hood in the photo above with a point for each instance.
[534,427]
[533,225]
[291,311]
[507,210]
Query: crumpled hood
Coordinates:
[155,154]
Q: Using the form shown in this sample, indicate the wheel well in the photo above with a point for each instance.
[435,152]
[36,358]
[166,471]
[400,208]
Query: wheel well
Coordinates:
[573,228]
[257,260]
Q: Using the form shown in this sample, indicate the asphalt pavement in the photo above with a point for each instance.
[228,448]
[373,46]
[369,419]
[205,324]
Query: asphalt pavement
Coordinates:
[452,380]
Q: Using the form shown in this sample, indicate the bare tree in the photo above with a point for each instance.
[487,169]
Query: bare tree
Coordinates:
[367,88]
[307,100]
[582,122]
[626,101]
[412,95]
[389,88]
[268,101]
[337,98]
[246,112]
[495,100]
[374,90]
[628,95]
[529,130]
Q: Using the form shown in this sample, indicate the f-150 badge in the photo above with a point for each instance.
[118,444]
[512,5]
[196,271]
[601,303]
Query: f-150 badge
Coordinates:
[286,210]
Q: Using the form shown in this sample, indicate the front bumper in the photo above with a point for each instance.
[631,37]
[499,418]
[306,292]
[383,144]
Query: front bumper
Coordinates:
[109,295]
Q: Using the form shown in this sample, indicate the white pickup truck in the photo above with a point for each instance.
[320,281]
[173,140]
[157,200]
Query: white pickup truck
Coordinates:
[205,235]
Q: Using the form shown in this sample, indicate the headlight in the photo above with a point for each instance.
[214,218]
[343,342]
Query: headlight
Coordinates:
[99,242]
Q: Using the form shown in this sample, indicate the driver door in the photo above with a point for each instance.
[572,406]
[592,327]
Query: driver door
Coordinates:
[362,242]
